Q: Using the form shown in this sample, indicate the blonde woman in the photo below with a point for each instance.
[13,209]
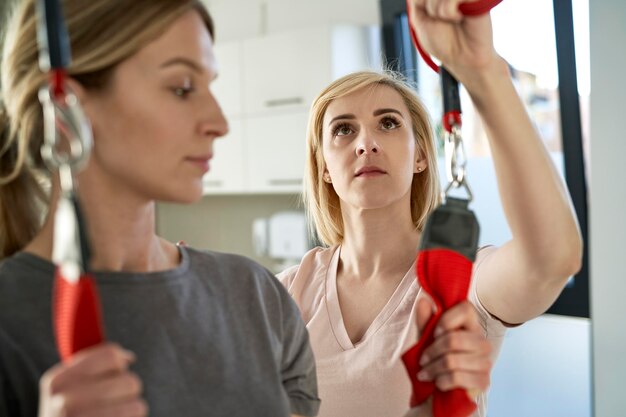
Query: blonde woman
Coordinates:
[371,181]
[190,333]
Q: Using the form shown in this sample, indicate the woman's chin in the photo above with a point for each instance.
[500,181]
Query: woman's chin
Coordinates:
[184,195]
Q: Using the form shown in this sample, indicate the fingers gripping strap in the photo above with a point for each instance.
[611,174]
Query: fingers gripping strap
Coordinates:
[445,275]
[77,315]
[474,8]
[444,271]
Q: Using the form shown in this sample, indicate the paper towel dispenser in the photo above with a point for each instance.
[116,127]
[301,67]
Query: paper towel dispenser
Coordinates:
[281,236]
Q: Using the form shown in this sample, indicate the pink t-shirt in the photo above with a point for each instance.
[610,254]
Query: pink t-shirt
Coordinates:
[367,379]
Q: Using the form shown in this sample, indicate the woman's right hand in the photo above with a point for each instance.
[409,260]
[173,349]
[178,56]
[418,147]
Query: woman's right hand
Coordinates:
[464,44]
[459,357]
[96,382]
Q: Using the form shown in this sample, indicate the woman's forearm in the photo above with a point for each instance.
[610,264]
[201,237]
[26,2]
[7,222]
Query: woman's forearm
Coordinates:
[536,203]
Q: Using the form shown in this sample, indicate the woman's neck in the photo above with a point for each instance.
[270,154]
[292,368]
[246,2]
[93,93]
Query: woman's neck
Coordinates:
[378,243]
[121,230]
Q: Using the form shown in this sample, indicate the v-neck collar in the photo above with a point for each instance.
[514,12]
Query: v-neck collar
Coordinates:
[334,309]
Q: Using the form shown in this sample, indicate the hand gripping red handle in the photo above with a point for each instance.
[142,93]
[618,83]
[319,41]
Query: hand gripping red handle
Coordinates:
[445,275]
[474,8]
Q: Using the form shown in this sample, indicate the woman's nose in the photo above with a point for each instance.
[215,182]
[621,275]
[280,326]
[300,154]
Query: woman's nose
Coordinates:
[215,123]
[367,146]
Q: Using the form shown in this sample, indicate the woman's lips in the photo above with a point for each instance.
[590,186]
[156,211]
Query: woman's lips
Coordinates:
[370,171]
[370,174]
[201,162]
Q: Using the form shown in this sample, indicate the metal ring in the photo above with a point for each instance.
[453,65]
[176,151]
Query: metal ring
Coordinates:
[64,117]
[456,162]
[454,185]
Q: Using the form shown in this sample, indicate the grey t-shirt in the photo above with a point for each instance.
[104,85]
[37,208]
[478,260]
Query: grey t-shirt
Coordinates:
[216,336]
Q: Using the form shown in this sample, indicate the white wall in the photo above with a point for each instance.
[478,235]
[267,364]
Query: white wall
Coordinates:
[608,205]
[242,19]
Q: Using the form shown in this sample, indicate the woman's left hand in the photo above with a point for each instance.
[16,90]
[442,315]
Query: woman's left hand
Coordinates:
[459,357]
[463,44]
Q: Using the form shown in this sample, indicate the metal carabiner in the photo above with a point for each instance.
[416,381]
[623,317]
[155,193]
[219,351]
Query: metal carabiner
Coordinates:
[64,118]
[454,149]
[456,157]
[456,162]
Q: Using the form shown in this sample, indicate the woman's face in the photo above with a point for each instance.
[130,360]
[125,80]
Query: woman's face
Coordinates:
[155,124]
[369,148]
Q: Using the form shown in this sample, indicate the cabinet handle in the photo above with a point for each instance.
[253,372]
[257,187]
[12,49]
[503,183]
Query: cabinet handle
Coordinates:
[213,183]
[291,181]
[284,101]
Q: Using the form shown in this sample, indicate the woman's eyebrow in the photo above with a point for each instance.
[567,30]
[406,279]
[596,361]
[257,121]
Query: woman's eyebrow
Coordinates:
[183,61]
[342,116]
[378,112]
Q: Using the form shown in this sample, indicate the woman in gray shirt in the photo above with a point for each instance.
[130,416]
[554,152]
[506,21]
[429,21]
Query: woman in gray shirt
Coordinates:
[203,333]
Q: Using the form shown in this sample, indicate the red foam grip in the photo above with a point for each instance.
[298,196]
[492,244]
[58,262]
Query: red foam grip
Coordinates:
[445,275]
[77,315]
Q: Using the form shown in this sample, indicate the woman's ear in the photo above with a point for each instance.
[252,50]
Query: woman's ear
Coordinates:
[326,176]
[420,165]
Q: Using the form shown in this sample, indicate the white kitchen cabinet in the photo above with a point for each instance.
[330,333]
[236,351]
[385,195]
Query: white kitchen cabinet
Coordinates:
[289,15]
[275,152]
[227,173]
[227,86]
[286,71]
[265,87]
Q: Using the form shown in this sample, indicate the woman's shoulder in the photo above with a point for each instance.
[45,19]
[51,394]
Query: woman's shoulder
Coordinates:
[493,327]
[206,256]
[224,264]
[233,273]
[313,260]
[24,272]
[484,252]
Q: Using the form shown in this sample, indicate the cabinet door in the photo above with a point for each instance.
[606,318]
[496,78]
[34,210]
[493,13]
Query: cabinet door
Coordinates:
[283,72]
[227,169]
[275,152]
[227,86]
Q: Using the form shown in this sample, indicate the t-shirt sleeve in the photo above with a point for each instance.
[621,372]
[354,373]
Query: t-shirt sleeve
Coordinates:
[493,327]
[287,276]
[298,364]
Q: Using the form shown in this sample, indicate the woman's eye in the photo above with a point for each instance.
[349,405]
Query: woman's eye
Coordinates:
[342,130]
[182,92]
[389,123]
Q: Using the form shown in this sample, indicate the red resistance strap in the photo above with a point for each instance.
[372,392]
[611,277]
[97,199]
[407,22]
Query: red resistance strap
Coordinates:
[472,8]
[56,79]
[445,275]
[77,315]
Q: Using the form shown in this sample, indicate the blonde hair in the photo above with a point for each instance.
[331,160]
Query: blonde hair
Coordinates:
[320,199]
[103,33]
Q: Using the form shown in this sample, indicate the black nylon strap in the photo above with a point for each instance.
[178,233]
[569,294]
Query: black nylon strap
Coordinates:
[452,226]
